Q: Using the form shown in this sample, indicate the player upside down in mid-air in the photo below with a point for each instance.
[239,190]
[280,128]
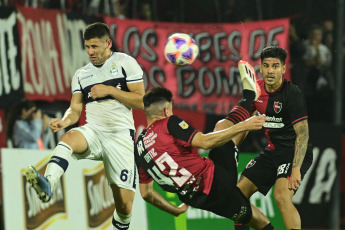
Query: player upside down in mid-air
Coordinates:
[164,154]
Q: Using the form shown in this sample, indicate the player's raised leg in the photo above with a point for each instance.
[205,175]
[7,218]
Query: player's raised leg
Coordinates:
[248,78]
[72,141]
[242,110]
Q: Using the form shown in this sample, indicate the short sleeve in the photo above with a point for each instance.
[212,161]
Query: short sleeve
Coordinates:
[76,87]
[133,71]
[297,105]
[180,129]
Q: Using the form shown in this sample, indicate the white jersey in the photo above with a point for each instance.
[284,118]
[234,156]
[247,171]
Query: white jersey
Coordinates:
[108,113]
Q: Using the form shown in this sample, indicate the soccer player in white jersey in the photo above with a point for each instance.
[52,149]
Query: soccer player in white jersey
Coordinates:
[111,85]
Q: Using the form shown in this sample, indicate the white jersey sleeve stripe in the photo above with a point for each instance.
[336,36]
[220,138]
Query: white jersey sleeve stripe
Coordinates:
[134,81]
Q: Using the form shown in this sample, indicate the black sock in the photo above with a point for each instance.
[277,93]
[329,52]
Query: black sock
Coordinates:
[268,227]
[243,108]
[241,227]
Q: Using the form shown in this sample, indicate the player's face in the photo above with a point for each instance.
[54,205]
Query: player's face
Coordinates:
[272,71]
[98,49]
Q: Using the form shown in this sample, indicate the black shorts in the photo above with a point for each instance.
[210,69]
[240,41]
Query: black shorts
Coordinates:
[269,165]
[225,199]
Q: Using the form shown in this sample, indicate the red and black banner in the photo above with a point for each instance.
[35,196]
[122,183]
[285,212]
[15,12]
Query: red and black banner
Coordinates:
[212,83]
[41,50]
[11,78]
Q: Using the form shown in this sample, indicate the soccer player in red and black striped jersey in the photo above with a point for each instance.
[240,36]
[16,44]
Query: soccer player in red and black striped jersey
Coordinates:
[165,153]
[288,155]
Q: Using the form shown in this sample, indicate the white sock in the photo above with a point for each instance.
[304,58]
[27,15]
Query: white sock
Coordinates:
[58,163]
[120,221]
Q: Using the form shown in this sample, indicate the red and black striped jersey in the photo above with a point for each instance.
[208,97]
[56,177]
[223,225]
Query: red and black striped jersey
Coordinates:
[163,153]
[284,107]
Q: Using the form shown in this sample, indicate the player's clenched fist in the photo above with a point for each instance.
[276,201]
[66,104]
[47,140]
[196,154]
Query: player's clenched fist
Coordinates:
[56,125]
[99,91]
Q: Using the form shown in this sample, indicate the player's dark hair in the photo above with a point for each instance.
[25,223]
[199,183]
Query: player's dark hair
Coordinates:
[274,52]
[96,30]
[158,94]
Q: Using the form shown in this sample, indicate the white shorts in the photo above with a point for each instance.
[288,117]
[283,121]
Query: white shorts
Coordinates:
[115,149]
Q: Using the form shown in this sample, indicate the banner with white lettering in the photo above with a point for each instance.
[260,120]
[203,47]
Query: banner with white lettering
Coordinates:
[11,87]
[212,83]
[317,200]
[52,50]
[41,32]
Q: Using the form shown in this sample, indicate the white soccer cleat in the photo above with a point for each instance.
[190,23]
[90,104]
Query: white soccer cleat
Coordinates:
[248,78]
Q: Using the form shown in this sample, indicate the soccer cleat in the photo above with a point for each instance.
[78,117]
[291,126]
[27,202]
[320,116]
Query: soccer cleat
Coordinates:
[39,183]
[248,78]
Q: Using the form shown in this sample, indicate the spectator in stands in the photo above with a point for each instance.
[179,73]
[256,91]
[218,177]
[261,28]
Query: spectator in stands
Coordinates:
[297,51]
[27,127]
[328,38]
[319,83]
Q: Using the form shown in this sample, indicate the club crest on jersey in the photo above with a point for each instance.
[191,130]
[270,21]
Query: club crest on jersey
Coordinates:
[277,106]
[114,70]
[250,164]
[183,125]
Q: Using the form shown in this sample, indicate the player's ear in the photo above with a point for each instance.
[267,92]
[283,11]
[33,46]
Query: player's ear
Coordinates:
[284,69]
[166,111]
[109,43]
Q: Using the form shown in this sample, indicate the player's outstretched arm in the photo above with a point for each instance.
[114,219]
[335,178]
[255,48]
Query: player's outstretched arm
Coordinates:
[219,138]
[301,144]
[154,198]
[71,115]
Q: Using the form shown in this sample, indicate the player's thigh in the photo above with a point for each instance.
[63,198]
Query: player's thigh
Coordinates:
[76,140]
[92,147]
[123,199]
[247,187]
[118,159]
[261,171]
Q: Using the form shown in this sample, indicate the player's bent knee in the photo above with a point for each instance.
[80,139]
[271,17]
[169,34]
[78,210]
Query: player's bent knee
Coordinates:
[242,212]
[281,199]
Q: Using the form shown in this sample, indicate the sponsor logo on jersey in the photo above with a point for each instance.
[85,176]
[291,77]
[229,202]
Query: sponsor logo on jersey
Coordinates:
[86,77]
[113,69]
[273,125]
[183,125]
[259,101]
[273,122]
[277,106]
[149,139]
